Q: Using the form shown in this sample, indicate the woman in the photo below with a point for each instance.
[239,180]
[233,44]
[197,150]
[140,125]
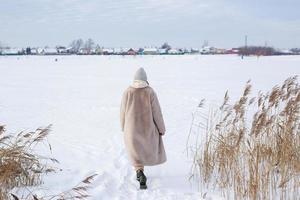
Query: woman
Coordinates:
[143,126]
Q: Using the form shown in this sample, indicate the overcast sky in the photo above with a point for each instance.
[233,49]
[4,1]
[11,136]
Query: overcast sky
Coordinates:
[125,23]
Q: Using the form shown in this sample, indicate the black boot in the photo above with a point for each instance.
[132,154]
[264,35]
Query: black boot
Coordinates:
[140,177]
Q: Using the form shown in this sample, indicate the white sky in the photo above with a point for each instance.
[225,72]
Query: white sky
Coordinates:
[134,23]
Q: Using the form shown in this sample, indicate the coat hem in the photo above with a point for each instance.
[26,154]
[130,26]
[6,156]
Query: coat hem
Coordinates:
[152,164]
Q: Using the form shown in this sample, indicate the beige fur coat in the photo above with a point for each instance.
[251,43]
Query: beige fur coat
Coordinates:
[143,125]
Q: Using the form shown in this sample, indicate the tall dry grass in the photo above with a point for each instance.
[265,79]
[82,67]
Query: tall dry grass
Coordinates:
[19,165]
[251,148]
[22,167]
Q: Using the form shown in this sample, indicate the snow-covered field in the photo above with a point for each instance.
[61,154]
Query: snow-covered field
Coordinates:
[80,96]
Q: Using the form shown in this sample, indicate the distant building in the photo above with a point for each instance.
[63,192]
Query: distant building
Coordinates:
[186,51]
[140,51]
[124,50]
[181,51]
[12,51]
[117,51]
[207,50]
[87,51]
[232,51]
[174,51]
[295,51]
[121,51]
[131,52]
[83,51]
[284,52]
[150,51]
[49,51]
[63,50]
[28,50]
[194,51]
[108,51]
[34,51]
[162,51]
[39,50]
[92,51]
[219,51]
[98,50]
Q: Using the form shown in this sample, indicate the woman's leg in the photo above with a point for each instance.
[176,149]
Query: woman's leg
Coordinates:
[140,176]
[139,167]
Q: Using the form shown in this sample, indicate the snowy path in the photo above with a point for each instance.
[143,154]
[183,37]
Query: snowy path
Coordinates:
[80,96]
[118,182]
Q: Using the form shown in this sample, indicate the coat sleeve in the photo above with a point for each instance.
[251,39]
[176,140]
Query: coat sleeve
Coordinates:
[157,114]
[122,110]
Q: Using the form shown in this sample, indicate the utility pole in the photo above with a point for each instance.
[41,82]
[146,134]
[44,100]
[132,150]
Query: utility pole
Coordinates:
[246,43]
[205,43]
[244,51]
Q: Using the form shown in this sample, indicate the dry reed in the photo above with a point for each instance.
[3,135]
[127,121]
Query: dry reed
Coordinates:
[22,167]
[256,157]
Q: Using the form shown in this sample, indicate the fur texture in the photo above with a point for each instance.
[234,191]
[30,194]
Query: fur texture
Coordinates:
[143,126]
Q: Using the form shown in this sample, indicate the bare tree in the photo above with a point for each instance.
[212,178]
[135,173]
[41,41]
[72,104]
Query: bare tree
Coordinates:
[89,44]
[76,45]
[3,46]
[166,46]
[257,50]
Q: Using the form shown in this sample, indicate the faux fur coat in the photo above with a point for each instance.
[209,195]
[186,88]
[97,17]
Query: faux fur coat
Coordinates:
[143,125]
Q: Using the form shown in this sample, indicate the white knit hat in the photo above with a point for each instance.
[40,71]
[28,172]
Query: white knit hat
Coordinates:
[140,74]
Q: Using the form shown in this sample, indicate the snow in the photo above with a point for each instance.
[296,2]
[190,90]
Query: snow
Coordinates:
[80,96]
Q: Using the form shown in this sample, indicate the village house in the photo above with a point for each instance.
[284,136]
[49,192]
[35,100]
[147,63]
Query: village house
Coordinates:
[98,50]
[220,51]
[208,50]
[284,52]
[124,50]
[162,51]
[232,51]
[140,51]
[117,51]
[82,51]
[131,51]
[63,50]
[150,51]
[194,51]
[185,51]
[39,50]
[12,51]
[108,51]
[49,51]
[120,51]
[174,52]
